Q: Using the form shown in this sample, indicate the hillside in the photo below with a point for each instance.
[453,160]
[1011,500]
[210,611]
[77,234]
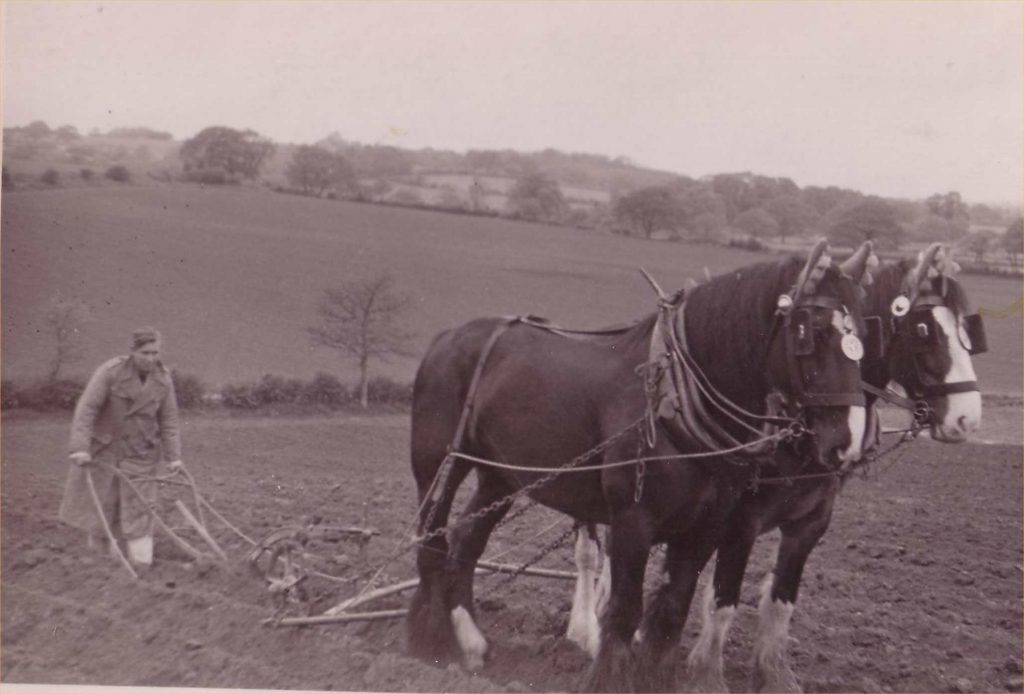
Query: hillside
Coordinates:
[384,171]
[232,275]
[567,188]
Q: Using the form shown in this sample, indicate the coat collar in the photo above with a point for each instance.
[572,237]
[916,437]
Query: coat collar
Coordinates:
[141,394]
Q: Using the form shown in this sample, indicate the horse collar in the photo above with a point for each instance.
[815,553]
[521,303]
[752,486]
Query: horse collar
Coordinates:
[681,394]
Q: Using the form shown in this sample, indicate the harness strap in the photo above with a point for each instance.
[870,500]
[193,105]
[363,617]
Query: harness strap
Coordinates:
[699,384]
[695,387]
[474,383]
[832,399]
[687,393]
[803,396]
[949,388]
[889,396]
[684,406]
[541,324]
[723,403]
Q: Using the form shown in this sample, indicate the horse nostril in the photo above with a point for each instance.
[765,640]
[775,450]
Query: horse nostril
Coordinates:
[961,422]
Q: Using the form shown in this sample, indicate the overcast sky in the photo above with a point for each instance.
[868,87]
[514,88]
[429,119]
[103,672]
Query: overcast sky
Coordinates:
[894,98]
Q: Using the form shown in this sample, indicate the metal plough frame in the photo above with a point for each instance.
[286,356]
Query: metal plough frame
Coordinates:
[283,558]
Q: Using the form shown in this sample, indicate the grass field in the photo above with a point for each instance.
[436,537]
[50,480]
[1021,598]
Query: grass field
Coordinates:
[232,276]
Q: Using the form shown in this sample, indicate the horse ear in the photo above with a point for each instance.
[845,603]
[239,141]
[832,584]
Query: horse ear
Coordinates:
[944,262]
[925,268]
[814,269]
[858,266]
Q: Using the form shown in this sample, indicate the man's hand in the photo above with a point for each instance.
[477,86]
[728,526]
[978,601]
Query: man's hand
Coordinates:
[175,465]
[81,458]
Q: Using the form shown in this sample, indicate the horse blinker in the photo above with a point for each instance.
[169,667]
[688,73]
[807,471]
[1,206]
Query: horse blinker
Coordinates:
[874,339]
[802,329]
[923,331]
[974,328]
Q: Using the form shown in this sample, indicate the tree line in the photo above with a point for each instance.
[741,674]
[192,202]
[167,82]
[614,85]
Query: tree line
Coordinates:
[645,203]
[709,209]
[761,207]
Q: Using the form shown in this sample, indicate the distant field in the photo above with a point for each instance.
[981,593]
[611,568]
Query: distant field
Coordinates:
[26,159]
[497,189]
[232,275]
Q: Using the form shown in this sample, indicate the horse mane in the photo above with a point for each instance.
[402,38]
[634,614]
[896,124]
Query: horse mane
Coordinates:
[888,283]
[728,321]
[956,297]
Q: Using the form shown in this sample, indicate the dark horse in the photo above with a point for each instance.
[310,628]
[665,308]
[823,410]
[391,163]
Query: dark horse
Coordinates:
[522,405]
[927,336]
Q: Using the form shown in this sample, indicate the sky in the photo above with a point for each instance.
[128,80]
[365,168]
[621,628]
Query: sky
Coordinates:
[896,98]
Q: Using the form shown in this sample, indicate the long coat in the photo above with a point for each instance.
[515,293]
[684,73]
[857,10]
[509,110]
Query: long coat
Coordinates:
[126,423]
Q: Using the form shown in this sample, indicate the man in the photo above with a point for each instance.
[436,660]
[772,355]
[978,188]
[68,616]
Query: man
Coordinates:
[127,418]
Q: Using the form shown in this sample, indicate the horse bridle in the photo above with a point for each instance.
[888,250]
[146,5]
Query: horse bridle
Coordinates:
[795,318]
[913,322]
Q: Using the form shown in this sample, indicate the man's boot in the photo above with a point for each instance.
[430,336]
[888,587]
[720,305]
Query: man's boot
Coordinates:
[140,550]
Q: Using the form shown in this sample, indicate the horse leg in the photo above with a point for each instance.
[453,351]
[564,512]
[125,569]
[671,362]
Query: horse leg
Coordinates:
[704,664]
[468,540]
[666,615]
[772,671]
[431,635]
[614,668]
[584,629]
[604,583]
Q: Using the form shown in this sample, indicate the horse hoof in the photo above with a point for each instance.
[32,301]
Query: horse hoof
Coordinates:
[705,684]
[775,682]
[473,663]
[659,679]
[614,670]
[588,640]
[471,641]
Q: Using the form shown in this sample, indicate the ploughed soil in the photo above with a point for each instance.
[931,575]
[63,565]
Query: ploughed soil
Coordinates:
[916,587]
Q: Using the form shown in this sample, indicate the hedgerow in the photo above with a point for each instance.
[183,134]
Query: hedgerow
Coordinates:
[44,396]
[270,394]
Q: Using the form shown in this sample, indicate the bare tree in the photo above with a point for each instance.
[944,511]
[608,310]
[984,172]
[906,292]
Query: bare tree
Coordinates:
[360,319]
[64,318]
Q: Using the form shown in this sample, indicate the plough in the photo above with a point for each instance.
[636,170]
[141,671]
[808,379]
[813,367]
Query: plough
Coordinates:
[283,559]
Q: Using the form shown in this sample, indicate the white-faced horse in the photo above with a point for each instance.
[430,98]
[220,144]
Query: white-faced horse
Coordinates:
[923,334]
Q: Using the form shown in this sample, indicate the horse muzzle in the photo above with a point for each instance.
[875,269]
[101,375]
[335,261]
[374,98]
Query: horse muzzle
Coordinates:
[941,432]
[839,436]
[960,417]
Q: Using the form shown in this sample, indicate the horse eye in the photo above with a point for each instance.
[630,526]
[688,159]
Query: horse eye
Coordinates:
[922,330]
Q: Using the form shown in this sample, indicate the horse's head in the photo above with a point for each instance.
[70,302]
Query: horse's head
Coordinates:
[814,357]
[928,334]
